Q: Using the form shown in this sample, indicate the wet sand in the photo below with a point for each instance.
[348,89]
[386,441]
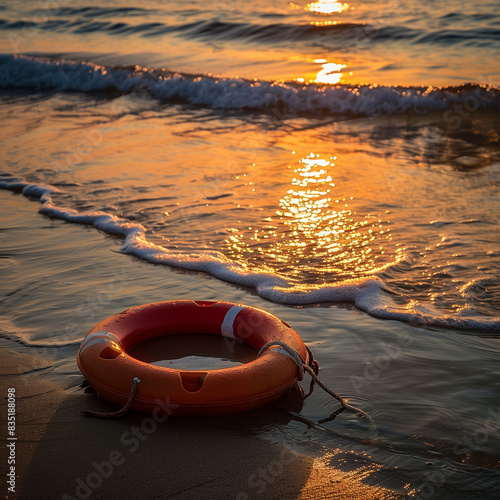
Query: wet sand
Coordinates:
[61,454]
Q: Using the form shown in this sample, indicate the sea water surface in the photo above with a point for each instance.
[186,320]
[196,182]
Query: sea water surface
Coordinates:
[323,158]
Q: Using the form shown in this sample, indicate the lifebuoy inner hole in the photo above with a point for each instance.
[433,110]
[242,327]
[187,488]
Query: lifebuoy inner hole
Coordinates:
[194,352]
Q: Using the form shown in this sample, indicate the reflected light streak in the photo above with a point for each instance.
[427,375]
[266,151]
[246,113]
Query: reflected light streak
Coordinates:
[314,235]
[324,23]
[327,7]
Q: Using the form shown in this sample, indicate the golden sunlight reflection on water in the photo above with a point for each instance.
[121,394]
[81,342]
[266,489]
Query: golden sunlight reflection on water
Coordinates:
[327,7]
[330,73]
[314,234]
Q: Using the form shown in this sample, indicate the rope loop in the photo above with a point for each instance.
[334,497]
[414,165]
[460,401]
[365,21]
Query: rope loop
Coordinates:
[313,369]
[121,411]
[292,352]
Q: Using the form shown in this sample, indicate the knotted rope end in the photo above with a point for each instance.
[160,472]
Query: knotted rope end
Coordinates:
[122,411]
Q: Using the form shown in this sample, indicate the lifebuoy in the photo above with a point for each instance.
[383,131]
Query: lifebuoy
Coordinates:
[103,358]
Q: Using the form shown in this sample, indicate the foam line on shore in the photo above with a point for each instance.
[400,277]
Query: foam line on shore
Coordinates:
[367,294]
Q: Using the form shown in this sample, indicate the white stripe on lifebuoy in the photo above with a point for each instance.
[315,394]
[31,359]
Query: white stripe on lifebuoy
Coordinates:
[227,325]
[98,338]
[283,351]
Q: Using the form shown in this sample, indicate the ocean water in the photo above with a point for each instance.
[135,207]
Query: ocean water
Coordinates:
[336,163]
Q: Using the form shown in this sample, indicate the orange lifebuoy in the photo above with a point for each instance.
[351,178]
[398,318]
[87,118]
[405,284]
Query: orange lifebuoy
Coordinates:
[103,358]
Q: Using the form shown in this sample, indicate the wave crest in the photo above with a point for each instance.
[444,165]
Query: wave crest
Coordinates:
[42,74]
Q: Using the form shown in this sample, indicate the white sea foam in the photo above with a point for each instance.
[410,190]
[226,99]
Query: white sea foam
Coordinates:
[238,94]
[367,294]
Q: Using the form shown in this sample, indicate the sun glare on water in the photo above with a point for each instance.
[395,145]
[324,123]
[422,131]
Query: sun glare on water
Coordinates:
[314,234]
[330,73]
[327,7]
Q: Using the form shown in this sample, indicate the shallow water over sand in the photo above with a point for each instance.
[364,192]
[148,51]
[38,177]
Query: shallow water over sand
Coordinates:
[295,208]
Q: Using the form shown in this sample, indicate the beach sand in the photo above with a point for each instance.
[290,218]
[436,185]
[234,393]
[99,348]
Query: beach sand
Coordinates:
[62,454]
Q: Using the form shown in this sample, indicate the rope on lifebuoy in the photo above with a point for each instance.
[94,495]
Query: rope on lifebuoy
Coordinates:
[313,368]
[121,411]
